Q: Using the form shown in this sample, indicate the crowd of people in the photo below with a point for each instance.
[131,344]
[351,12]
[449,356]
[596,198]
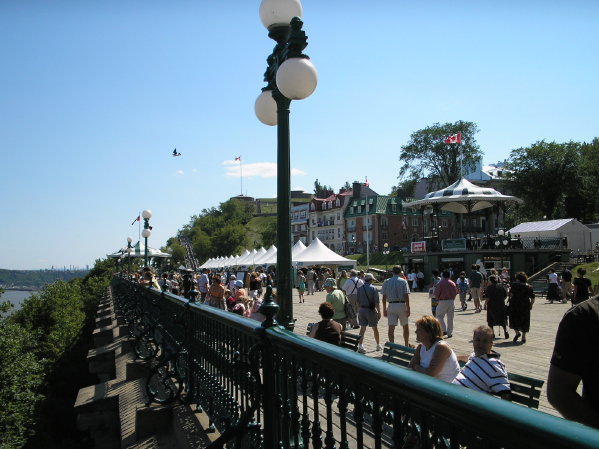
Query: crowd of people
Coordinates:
[352,302]
[221,290]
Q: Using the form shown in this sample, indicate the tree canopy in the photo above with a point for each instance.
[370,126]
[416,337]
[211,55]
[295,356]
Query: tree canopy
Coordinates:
[427,155]
[556,180]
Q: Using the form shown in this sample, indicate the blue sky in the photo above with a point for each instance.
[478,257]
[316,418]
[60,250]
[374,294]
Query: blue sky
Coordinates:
[96,94]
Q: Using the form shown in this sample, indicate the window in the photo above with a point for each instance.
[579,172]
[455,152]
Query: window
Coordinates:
[444,222]
[338,216]
[414,221]
[337,202]
[359,209]
[338,233]
[312,206]
[394,208]
[351,210]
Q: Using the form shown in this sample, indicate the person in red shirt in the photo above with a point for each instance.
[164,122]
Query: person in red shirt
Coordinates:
[445,292]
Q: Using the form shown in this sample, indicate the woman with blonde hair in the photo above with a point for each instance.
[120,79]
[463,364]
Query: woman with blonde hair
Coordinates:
[433,356]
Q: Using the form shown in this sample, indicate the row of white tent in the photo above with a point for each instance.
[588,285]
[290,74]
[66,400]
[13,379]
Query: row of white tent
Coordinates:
[317,253]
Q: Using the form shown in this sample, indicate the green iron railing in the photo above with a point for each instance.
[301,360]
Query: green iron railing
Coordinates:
[270,388]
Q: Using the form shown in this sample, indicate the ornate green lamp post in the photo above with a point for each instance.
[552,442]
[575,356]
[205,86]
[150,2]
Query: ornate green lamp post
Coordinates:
[147,232]
[386,253]
[289,76]
[129,249]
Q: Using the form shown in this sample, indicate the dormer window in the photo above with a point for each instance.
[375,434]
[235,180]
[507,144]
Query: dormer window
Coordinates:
[337,202]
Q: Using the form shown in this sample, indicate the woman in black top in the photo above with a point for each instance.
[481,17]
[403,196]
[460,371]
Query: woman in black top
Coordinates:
[582,287]
[521,300]
[495,295]
[328,329]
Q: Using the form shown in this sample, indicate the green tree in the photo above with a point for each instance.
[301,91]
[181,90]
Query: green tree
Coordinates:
[21,377]
[229,239]
[269,234]
[322,191]
[544,175]
[427,155]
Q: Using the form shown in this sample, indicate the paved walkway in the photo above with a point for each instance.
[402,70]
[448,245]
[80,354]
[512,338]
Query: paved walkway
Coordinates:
[531,359]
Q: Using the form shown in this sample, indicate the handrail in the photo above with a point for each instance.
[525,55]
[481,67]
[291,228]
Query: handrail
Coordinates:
[319,395]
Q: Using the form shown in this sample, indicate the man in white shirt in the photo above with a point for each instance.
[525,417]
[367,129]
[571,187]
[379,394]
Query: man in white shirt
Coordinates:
[396,293]
[350,287]
[203,284]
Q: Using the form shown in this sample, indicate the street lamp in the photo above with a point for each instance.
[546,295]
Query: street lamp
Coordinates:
[386,253]
[129,249]
[147,232]
[501,243]
[289,76]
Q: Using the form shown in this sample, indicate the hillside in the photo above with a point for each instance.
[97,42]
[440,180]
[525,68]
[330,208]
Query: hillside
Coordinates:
[35,279]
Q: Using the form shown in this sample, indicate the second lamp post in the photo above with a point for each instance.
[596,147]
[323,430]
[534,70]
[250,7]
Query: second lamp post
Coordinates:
[147,232]
[289,76]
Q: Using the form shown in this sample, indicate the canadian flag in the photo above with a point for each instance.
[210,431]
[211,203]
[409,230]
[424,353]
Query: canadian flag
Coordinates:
[455,138]
[238,158]
[366,182]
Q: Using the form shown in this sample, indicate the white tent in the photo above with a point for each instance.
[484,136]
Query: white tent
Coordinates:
[298,248]
[138,250]
[270,258]
[263,255]
[243,258]
[317,253]
[577,235]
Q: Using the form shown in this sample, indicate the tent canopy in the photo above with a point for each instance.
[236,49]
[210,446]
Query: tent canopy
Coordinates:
[318,253]
[463,197]
[138,250]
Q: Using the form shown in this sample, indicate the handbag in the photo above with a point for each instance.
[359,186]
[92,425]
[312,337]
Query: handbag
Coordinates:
[350,313]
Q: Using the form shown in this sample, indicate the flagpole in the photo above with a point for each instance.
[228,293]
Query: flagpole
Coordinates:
[367,230]
[241,175]
[139,227]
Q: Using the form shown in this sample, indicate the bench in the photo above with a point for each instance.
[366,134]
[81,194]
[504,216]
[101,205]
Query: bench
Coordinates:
[525,390]
[348,340]
[539,288]
[398,354]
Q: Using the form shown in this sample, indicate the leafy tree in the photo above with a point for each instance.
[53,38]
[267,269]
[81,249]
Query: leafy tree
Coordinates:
[544,175]
[322,191]
[587,202]
[21,377]
[347,186]
[427,155]
[177,250]
[230,239]
[55,316]
[269,234]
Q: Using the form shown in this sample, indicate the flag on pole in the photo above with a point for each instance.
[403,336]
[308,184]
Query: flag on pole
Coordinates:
[454,138]
[366,182]
[238,158]
[137,219]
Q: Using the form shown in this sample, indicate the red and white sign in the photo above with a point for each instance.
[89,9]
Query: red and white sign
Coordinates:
[455,138]
[418,247]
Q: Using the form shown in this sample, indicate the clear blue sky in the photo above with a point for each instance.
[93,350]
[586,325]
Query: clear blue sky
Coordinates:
[97,94]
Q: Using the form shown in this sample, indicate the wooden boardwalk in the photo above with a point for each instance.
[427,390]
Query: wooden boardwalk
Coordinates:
[531,359]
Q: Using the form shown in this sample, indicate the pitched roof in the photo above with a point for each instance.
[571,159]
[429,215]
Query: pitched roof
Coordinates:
[535,226]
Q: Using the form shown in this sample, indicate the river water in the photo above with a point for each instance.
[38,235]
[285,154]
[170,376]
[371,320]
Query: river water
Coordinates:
[16,297]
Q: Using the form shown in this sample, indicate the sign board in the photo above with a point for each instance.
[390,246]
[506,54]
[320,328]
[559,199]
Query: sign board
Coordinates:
[454,244]
[418,247]
[345,267]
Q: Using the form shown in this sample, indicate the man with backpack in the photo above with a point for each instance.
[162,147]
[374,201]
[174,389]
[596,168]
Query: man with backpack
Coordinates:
[350,287]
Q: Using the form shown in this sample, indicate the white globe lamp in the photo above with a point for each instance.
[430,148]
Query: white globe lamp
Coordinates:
[279,12]
[297,78]
[266,108]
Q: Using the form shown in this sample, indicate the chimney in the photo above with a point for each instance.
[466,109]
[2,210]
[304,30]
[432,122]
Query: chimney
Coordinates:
[357,187]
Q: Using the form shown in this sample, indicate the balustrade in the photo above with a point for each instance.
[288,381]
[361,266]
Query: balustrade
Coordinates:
[270,388]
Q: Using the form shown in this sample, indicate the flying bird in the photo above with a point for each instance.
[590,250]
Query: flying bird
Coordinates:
[175,154]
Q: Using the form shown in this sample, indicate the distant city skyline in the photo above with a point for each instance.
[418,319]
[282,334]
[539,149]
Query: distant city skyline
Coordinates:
[97,95]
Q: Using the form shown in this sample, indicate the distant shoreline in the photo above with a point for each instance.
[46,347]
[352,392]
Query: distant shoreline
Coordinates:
[21,289]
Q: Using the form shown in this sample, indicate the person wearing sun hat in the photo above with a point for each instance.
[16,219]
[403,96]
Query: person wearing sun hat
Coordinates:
[337,299]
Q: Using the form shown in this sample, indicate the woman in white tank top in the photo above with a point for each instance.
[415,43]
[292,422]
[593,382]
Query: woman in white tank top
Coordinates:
[433,356]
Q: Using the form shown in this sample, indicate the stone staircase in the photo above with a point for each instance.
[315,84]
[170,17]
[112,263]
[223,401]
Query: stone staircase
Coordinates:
[114,412]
